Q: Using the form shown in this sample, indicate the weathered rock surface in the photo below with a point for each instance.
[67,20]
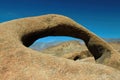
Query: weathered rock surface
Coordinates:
[88,59]
[17,62]
[77,55]
[115,45]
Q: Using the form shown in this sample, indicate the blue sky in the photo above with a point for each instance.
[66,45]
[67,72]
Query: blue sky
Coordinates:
[100,16]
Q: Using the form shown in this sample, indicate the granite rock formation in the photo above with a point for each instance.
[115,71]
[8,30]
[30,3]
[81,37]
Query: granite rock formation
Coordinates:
[18,62]
[77,55]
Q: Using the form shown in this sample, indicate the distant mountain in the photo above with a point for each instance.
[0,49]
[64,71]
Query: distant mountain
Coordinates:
[64,48]
[42,45]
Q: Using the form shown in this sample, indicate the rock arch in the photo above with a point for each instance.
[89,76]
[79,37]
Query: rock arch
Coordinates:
[23,32]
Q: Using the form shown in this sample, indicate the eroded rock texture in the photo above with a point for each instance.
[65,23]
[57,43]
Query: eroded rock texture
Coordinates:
[18,62]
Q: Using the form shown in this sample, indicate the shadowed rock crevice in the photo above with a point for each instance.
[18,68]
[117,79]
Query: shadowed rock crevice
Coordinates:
[97,49]
[76,58]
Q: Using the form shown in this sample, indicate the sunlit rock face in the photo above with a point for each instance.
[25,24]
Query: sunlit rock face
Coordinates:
[18,62]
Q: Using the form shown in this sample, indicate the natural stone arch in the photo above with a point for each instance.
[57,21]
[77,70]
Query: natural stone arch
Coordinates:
[31,29]
[24,31]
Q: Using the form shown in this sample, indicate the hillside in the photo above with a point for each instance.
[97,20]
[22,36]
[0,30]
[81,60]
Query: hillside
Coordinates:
[65,47]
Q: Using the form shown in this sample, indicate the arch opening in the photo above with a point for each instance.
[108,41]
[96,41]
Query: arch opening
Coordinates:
[52,41]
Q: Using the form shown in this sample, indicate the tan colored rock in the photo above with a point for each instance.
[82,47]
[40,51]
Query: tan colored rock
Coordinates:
[88,59]
[115,45]
[77,55]
[17,62]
